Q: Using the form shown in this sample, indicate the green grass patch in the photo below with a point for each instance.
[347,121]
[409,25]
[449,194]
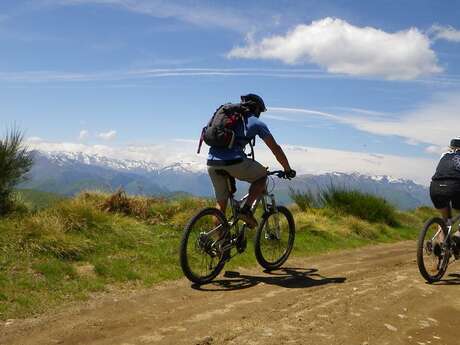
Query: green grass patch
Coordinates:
[83,245]
[35,199]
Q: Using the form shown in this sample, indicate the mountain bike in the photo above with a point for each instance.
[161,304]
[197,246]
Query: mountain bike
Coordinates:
[435,247]
[210,239]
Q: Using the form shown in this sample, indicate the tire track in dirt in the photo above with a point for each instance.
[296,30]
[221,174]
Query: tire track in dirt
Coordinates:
[372,295]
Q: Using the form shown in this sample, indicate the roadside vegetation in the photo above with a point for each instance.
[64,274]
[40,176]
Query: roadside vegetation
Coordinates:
[75,247]
[15,162]
[347,202]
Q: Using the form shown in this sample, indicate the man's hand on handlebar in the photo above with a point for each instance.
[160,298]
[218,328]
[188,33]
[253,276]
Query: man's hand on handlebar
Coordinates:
[290,174]
[287,174]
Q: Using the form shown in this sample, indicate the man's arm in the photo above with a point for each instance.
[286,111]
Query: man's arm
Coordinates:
[277,152]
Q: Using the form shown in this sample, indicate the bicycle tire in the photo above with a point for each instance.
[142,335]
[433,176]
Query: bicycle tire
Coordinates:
[431,278]
[184,259]
[260,236]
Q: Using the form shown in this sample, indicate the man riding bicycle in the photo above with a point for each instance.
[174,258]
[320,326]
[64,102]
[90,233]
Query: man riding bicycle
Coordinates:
[233,160]
[445,185]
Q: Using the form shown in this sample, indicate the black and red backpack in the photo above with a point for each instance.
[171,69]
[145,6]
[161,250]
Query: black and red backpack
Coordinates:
[220,130]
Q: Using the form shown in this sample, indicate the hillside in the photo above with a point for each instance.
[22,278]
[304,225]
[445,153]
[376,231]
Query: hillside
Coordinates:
[86,244]
[69,173]
[36,199]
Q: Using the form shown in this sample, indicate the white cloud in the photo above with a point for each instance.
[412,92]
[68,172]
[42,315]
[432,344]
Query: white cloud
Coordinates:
[344,48]
[432,123]
[110,135]
[194,12]
[84,134]
[433,149]
[143,74]
[34,139]
[305,160]
[447,33]
[140,75]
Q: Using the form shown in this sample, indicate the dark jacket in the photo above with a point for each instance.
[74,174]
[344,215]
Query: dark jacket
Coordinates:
[448,167]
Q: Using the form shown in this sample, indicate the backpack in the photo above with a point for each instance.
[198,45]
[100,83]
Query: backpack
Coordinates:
[220,130]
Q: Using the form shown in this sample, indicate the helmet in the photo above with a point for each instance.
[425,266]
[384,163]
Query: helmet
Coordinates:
[455,143]
[253,99]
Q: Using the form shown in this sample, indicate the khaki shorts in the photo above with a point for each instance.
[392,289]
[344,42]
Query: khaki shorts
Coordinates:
[248,170]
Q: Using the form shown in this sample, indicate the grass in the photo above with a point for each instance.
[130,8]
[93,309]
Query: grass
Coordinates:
[34,199]
[348,202]
[86,244]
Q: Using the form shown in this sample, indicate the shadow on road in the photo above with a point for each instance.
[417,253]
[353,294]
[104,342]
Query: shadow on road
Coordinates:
[453,279]
[285,277]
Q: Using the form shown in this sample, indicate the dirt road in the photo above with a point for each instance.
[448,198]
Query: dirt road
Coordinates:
[372,295]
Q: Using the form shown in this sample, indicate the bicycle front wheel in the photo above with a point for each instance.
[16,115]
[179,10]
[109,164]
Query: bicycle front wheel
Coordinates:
[201,255]
[275,238]
[432,257]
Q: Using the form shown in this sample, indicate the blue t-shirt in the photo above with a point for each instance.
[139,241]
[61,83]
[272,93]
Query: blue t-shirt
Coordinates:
[253,127]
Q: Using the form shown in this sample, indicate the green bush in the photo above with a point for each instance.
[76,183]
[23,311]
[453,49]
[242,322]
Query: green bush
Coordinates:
[304,200]
[364,206]
[15,162]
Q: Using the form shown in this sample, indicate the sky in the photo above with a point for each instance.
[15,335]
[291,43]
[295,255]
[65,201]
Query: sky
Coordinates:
[350,86]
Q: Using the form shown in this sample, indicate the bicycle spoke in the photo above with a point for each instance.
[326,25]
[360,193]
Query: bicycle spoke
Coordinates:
[432,255]
[275,240]
[200,256]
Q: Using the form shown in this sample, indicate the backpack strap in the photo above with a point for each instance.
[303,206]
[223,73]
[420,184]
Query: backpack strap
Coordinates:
[201,140]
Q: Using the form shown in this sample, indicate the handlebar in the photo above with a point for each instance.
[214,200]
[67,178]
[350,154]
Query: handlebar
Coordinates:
[279,174]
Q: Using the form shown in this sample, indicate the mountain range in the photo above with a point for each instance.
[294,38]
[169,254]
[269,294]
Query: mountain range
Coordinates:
[68,173]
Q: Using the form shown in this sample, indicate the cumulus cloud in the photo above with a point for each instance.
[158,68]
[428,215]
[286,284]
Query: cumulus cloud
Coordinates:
[343,48]
[447,33]
[306,160]
[110,135]
[84,134]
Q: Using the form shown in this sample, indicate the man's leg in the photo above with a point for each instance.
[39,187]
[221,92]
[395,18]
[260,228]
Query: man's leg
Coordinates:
[220,185]
[254,173]
[446,213]
[222,205]
[255,190]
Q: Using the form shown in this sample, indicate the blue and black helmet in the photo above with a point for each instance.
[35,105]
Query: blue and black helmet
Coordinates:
[253,99]
[455,143]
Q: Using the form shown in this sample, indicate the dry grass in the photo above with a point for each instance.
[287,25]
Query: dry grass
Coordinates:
[123,239]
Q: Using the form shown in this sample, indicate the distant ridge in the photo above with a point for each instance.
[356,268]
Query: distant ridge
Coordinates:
[68,173]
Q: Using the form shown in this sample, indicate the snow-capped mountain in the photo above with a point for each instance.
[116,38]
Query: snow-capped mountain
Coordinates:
[62,158]
[70,172]
[403,193]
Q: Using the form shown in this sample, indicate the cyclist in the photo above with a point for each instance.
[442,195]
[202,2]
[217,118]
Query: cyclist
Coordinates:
[235,162]
[445,185]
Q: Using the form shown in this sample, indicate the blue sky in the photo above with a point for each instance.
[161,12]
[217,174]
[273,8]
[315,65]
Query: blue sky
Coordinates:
[367,86]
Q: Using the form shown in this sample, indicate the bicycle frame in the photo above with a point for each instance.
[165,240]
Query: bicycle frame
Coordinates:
[449,229]
[268,201]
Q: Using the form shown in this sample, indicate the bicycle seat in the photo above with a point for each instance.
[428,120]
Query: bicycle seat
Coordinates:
[230,180]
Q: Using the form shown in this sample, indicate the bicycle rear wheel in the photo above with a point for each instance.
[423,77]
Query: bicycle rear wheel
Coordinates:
[275,238]
[201,254]
[432,257]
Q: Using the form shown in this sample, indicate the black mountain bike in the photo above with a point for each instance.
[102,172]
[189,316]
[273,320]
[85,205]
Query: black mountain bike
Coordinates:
[210,239]
[435,247]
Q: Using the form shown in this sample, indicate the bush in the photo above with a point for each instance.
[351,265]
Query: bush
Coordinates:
[15,162]
[361,205]
[152,210]
[304,200]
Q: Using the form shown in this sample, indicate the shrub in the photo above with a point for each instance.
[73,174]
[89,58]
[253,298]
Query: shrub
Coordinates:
[304,200]
[365,206]
[15,162]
